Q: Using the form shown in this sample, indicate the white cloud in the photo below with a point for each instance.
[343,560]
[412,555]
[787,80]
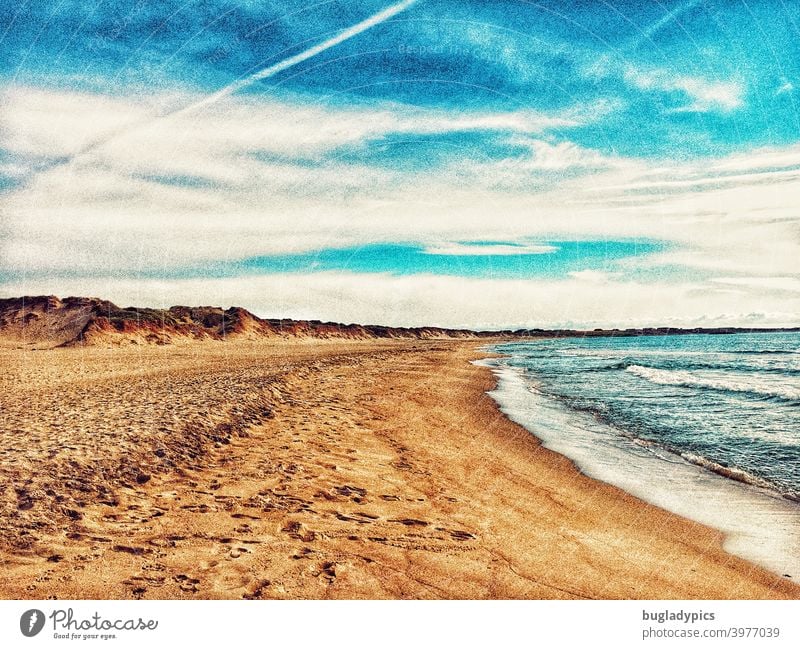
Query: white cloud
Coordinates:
[524,121]
[488,249]
[593,276]
[41,123]
[560,156]
[251,178]
[146,130]
[703,95]
[788,284]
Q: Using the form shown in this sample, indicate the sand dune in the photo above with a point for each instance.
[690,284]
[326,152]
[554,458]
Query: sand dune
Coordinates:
[46,321]
[314,470]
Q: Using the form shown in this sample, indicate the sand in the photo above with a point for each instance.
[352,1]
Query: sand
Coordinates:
[280,469]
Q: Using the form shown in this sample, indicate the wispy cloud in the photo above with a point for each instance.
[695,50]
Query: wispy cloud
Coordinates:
[164,119]
[256,178]
[788,284]
[560,156]
[702,95]
[461,129]
[494,249]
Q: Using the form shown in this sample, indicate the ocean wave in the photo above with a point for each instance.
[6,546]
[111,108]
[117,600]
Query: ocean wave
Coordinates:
[720,366]
[734,473]
[723,382]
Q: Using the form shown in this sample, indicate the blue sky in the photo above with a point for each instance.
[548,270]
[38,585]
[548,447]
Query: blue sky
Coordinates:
[606,162]
[462,56]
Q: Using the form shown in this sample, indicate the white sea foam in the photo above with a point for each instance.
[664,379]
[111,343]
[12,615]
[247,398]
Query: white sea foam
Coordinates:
[759,525]
[769,386]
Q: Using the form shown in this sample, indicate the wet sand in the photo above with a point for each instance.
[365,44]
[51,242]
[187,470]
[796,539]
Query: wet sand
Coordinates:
[311,469]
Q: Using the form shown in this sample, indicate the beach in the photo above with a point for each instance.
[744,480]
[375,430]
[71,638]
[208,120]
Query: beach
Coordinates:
[309,469]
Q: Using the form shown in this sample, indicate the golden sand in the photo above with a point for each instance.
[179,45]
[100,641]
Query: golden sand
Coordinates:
[306,469]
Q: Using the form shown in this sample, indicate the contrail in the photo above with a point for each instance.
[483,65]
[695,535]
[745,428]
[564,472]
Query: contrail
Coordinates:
[272,70]
[648,32]
[230,89]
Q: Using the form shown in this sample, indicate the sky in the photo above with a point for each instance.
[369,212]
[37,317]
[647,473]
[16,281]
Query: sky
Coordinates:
[484,164]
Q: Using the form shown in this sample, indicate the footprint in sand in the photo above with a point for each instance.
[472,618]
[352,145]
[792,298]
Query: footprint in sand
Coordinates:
[258,590]
[296,530]
[186,583]
[235,553]
[411,522]
[326,571]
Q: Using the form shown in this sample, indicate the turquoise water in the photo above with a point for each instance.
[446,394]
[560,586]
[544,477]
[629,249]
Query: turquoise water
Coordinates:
[728,403]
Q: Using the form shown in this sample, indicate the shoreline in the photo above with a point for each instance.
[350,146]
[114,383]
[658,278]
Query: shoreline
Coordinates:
[379,471]
[758,524]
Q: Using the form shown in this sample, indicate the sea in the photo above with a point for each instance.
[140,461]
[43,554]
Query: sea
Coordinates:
[705,426]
